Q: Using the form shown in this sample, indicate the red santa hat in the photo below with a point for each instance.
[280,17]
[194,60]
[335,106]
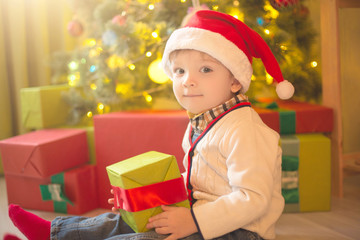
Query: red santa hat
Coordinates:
[231,42]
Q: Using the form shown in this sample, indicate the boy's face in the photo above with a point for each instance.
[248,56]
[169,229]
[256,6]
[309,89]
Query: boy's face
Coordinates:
[200,82]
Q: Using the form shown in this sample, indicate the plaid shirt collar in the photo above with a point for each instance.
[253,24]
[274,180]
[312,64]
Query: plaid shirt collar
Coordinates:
[200,121]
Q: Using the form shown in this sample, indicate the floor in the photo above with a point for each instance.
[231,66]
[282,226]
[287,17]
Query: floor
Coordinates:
[342,222]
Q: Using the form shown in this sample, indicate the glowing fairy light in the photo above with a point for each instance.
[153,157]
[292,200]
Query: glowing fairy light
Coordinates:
[236,13]
[100,108]
[283,47]
[132,67]
[89,114]
[154,34]
[148,97]
[93,86]
[267,31]
[314,64]
[183,1]
[151,7]
[73,79]
[253,78]
[73,65]
[92,68]
[90,42]
[269,79]
[148,54]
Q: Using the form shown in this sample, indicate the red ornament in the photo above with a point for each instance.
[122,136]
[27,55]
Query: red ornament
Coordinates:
[282,4]
[75,28]
[119,20]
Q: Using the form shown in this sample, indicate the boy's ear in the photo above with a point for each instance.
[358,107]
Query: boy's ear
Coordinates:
[235,86]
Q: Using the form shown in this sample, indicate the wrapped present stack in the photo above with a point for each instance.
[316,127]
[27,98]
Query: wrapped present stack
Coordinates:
[306,160]
[44,107]
[51,168]
[47,170]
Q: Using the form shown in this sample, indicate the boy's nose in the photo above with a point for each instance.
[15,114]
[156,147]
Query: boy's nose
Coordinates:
[189,81]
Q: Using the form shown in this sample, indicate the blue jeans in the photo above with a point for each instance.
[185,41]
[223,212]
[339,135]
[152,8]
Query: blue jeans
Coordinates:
[110,226]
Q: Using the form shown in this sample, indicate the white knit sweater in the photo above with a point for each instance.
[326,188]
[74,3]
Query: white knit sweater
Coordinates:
[236,176]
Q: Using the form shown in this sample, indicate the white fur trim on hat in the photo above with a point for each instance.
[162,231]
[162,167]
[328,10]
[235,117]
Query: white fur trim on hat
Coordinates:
[215,45]
[285,89]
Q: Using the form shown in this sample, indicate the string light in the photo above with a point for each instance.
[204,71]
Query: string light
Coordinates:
[151,6]
[89,114]
[89,42]
[154,34]
[267,31]
[93,86]
[148,54]
[283,47]
[132,67]
[73,79]
[253,78]
[73,65]
[269,79]
[183,1]
[314,64]
[148,97]
[92,68]
[237,14]
[100,108]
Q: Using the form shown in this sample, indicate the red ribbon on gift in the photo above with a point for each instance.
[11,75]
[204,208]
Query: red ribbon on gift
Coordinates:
[150,196]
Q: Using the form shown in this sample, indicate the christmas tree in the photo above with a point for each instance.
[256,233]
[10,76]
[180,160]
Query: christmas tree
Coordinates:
[117,67]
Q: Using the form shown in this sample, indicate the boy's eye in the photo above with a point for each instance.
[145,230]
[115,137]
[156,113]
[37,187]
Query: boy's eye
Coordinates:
[206,70]
[179,71]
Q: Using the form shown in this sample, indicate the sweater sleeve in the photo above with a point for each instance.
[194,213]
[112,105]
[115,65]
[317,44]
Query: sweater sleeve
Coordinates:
[251,152]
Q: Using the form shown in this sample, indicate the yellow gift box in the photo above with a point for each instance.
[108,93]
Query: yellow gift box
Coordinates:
[143,183]
[306,172]
[43,107]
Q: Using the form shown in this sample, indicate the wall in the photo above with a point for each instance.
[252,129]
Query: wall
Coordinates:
[349,27]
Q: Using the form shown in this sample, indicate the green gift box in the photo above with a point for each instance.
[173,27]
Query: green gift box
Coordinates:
[143,183]
[43,107]
[306,172]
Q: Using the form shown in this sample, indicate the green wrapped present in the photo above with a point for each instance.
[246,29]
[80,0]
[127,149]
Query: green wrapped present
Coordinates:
[143,183]
[43,107]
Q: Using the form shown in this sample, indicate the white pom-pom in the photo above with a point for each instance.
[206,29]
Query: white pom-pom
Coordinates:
[285,89]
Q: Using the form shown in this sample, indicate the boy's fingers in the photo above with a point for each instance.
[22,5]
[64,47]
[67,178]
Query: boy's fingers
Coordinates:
[157,217]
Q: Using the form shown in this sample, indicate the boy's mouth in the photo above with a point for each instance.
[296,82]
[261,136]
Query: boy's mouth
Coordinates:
[192,95]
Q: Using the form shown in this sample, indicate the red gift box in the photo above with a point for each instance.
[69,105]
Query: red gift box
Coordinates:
[306,117]
[120,136]
[45,152]
[79,185]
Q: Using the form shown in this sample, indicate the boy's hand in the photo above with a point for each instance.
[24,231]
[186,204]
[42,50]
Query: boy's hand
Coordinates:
[176,221]
[111,201]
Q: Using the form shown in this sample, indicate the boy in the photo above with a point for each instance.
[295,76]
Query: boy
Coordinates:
[233,160]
